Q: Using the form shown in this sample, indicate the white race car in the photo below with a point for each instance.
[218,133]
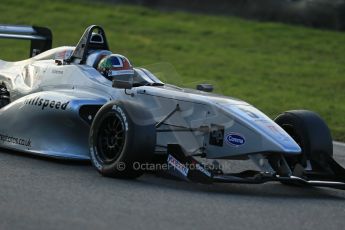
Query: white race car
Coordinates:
[57,104]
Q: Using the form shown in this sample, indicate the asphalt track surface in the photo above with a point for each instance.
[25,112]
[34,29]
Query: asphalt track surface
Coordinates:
[45,194]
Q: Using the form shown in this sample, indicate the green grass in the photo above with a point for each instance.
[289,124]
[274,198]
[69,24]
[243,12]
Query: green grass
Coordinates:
[273,66]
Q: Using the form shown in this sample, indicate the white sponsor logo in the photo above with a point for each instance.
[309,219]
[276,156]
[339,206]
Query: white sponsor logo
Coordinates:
[203,170]
[94,160]
[177,165]
[235,139]
[118,109]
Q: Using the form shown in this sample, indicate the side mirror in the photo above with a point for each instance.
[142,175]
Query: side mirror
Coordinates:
[123,82]
[205,87]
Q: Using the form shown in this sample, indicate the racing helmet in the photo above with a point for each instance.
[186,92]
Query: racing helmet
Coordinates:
[115,65]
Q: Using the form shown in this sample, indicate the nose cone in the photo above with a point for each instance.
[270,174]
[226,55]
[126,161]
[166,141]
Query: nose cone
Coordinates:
[274,137]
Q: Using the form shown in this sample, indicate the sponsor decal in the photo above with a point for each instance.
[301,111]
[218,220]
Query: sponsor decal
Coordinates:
[15,140]
[55,71]
[46,103]
[272,129]
[277,133]
[250,113]
[235,139]
[203,170]
[177,165]
[63,55]
[94,159]
[118,109]
[216,135]
[262,121]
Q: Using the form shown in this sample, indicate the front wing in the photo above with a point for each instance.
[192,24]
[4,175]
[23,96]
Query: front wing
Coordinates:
[189,169]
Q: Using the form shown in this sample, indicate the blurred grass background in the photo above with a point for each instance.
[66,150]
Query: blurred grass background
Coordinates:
[273,66]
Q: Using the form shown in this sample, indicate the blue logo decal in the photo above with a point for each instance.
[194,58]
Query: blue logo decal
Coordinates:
[235,139]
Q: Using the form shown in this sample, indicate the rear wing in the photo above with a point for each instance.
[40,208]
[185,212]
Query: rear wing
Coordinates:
[41,37]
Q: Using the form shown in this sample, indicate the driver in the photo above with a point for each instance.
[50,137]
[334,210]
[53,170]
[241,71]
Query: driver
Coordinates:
[115,65]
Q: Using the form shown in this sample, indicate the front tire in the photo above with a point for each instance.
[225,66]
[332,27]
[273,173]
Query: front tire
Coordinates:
[122,137]
[312,134]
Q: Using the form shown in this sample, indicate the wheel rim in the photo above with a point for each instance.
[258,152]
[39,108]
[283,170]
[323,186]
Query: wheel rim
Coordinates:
[111,138]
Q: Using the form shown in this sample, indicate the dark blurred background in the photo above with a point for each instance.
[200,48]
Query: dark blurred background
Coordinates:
[328,14]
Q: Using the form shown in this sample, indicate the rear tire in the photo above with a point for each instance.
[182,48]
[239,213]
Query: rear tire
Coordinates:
[122,137]
[313,136]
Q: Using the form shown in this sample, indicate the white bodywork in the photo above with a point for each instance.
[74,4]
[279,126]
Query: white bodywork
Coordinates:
[59,132]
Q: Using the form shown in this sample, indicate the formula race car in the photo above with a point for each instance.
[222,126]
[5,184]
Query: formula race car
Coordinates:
[58,104]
